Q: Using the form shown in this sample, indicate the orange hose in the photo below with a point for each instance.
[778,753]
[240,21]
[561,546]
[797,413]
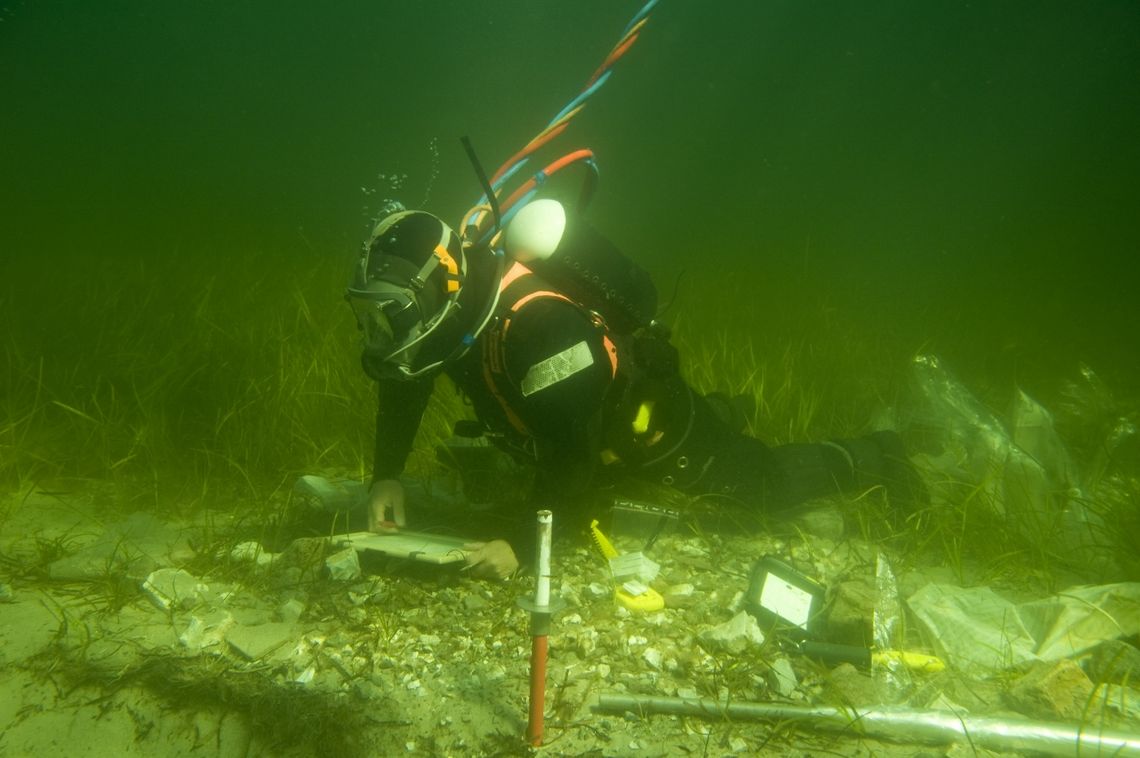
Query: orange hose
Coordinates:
[619,50]
[555,128]
[533,145]
[557,165]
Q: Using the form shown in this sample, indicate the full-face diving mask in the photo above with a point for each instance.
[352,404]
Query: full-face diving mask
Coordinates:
[403,288]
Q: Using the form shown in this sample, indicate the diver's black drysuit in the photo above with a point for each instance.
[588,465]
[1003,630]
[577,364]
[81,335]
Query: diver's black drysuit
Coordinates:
[561,389]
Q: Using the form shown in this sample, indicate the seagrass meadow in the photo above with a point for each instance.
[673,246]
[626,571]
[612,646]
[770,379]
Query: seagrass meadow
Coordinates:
[916,216]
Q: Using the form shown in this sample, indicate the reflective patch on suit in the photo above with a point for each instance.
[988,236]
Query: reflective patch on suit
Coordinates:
[556,368]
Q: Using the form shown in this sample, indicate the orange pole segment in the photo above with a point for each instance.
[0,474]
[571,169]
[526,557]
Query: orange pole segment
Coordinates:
[537,690]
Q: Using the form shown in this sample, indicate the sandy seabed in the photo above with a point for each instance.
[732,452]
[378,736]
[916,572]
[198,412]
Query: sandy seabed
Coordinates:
[225,657]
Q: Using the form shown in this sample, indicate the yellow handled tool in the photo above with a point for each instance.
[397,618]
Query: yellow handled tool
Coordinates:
[634,596]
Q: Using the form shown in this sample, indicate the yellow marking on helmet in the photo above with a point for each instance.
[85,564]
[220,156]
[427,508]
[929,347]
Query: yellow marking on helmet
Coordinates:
[451,266]
[640,423]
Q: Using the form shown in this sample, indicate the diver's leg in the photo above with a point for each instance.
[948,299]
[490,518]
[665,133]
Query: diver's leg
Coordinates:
[714,459]
[880,460]
[778,477]
[787,475]
[703,453]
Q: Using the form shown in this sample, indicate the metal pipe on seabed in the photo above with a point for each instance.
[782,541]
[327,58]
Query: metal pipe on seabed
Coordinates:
[901,725]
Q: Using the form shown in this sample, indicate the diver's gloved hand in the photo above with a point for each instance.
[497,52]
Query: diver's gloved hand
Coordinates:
[386,505]
[492,560]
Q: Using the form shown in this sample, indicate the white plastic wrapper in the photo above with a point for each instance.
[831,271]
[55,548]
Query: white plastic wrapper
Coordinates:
[981,633]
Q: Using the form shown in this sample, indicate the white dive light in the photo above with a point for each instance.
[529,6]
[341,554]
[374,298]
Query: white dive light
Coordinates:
[536,230]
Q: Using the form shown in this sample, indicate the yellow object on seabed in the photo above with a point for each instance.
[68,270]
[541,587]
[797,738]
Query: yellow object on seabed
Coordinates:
[921,662]
[632,595]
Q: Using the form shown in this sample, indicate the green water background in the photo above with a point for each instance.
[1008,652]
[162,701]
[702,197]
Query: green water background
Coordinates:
[953,176]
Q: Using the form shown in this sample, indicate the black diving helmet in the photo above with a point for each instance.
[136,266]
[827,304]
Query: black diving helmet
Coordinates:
[403,289]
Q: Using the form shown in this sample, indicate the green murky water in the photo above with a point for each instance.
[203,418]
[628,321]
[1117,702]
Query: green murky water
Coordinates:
[182,186]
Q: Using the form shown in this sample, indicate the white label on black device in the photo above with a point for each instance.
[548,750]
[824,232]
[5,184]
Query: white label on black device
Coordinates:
[787,601]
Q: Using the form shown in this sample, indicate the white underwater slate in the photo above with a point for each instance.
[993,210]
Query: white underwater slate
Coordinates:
[417,546]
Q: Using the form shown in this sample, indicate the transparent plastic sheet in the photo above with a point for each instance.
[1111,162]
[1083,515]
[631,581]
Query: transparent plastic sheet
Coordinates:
[887,630]
[1022,474]
[1102,433]
[1101,429]
[1058,509]
[980,633]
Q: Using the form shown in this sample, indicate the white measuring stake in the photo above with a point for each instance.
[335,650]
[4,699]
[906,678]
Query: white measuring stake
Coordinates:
[542,569]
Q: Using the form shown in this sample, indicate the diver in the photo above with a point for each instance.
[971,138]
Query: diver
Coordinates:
[552,340]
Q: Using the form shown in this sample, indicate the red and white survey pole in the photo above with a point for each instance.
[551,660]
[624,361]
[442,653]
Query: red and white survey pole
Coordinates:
[542,606]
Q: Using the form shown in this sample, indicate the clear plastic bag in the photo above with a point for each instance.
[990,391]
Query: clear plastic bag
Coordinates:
[980,632]
[1020,471]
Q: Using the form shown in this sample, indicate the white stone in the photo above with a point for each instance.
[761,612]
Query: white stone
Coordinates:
[173,588]
[653,657]
[690,549]
[684,589]
[569,593]
[733,636]
[783,677]
[252,552]
[343,566]
[291,610]
[599,590]
[206,630]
